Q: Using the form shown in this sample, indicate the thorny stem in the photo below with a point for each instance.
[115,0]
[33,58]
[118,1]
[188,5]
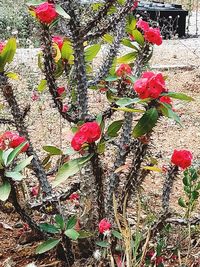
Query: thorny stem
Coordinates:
[167,187]
[25,217]
[134,180]
[79,63]
[111,23]
[98,174]
[22,129]
[111,53]
[49,68]
[97,19]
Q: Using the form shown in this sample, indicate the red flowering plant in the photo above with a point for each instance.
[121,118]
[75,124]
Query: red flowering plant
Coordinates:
[107,154]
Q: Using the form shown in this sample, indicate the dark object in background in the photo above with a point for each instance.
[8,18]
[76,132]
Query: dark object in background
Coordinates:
[171,17]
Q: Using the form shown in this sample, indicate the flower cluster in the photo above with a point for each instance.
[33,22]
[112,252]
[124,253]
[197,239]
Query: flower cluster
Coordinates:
[46,13]
[2,45]
[104,225]
[58,40]
[89,132]
[182,158]
[12,140]
[123,70]
[151,35]
[150,85]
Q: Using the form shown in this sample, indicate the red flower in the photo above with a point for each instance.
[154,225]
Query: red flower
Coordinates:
[78,140]
[150,85]
[159,260]
[65,108]
[46,13]
[58,40]
[135,5]
[16,141]
[166,99]
[123,70]
[35,96]
[92,130]
[74,196]
[182,158]
[153,36]
[61,90]
[2,45]
[35,191]
[143,25]
[2,144]
[89,132]
[104,225]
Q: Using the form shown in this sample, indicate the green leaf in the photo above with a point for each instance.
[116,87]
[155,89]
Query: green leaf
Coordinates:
[42,85]
[60,222]
[53,150]
[12,75]
[70,168]
[128,43]
[102,244]
[113,128]
[5,189]
[15,152]
[138,37]
[131,24]
[71,222]
[8,53]
[198,186]
[123,102]
[47,245]
[117,234]
[101,147]
[195,195]
[128,58]
[129,110]
[23,164]
[16,176]
[181,203]
[72,234]
[84,234]
[168,112]
[108,38]
[111,78]
[146,123]
[67,50]
[92,51]
[186,180]
[5,155]
[49,228]
[61,12]
[180,96]
[99,119]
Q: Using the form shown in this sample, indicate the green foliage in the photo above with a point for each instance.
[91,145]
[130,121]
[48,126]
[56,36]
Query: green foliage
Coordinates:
[191,186]
[70,168]
[146,122]
[8,53]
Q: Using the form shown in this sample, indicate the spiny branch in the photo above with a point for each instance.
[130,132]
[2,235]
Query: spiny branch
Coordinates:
[22,129]
[111,23]
[49,73]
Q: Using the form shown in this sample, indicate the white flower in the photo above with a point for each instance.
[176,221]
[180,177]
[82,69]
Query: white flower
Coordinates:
[97,254]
